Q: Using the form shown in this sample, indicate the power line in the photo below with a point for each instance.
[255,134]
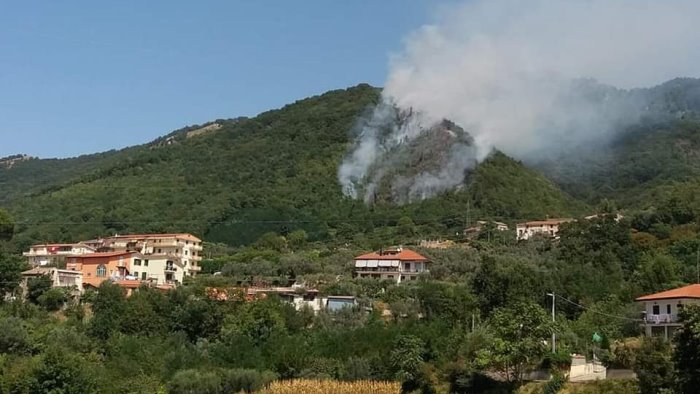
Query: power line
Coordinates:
[235,221]
[595,311]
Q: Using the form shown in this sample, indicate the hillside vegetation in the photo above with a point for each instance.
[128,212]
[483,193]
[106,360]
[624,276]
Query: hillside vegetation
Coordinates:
[275,172]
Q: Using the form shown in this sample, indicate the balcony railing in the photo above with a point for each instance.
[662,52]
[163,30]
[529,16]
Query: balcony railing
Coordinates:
[390,269]
[661,319]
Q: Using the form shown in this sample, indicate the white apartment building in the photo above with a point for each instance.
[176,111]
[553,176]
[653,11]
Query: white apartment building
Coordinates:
[661,309]
[547,228]
[173,256]
[54,254]
[395,264]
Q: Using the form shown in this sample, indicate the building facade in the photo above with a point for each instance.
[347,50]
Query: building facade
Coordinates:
[661,309]
[183,251]
[547,228]
[159,269]
[99,267]
[62,278]
[395,264]
[54,254]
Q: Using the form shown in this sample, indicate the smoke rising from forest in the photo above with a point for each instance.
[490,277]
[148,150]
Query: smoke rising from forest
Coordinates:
[528,78]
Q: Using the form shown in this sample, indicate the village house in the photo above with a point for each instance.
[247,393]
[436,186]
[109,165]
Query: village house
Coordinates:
[54,254]
[99,267]
[547,228]
[481,225]
[661,309]
[296,295]
[62,278]
[180,253]
[395,264]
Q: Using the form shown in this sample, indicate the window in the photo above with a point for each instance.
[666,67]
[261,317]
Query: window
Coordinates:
[186,252]
[159,250]
[668,309]
[136,274]
[407,266]
[101,271]
[145,263]
[137,262]
[143,276]
[655,310]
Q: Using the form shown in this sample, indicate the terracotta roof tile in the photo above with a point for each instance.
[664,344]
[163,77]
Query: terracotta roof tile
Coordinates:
[403,255]
[102,254]
[548,221]
[690,291]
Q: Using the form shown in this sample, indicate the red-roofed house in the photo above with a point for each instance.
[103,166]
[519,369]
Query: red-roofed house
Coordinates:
[396,264]
[180,250]
[662,309]
[54,254]
[99,267]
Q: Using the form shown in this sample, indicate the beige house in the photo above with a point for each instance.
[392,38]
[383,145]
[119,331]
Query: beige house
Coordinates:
[177,254]
[159,269]
[547,228]
[661,309]
[59,278]
[54,254]
[395,264]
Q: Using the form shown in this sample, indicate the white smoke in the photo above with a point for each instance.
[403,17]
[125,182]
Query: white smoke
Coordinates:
[510,71]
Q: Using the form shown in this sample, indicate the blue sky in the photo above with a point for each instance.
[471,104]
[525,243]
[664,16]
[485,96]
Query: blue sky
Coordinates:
[84,76]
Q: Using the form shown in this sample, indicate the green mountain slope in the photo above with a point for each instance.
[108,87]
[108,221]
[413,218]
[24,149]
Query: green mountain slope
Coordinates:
[638,162]
[275,172]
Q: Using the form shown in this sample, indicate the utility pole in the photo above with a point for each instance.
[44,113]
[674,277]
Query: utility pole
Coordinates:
[697,264]
[554,335]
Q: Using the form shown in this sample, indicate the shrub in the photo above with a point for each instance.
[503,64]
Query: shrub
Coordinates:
[53,299]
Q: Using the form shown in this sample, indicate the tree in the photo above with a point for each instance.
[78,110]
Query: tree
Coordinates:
[108,307]
[14,337]
[519,334]
[272,241]
[405,227]
[297,239]
[407,363]
[7,226]
[53,299]
[62,373]
[10,273]
[687,345]
[36,286]
[657,272]
[653,364]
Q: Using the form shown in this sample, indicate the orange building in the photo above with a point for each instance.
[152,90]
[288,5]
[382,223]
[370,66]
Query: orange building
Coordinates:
[98,267]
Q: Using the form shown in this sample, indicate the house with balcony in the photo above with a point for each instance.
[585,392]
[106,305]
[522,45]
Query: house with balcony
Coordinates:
[397,264]
[183,251]
[43,255]
[99,267]
[661,309]
[159,269]
[546,228]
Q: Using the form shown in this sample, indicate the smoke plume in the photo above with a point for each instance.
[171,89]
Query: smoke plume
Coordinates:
[528,78]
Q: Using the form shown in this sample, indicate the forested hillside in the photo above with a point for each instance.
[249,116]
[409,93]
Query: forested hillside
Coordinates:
[233,183]
[642,160]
